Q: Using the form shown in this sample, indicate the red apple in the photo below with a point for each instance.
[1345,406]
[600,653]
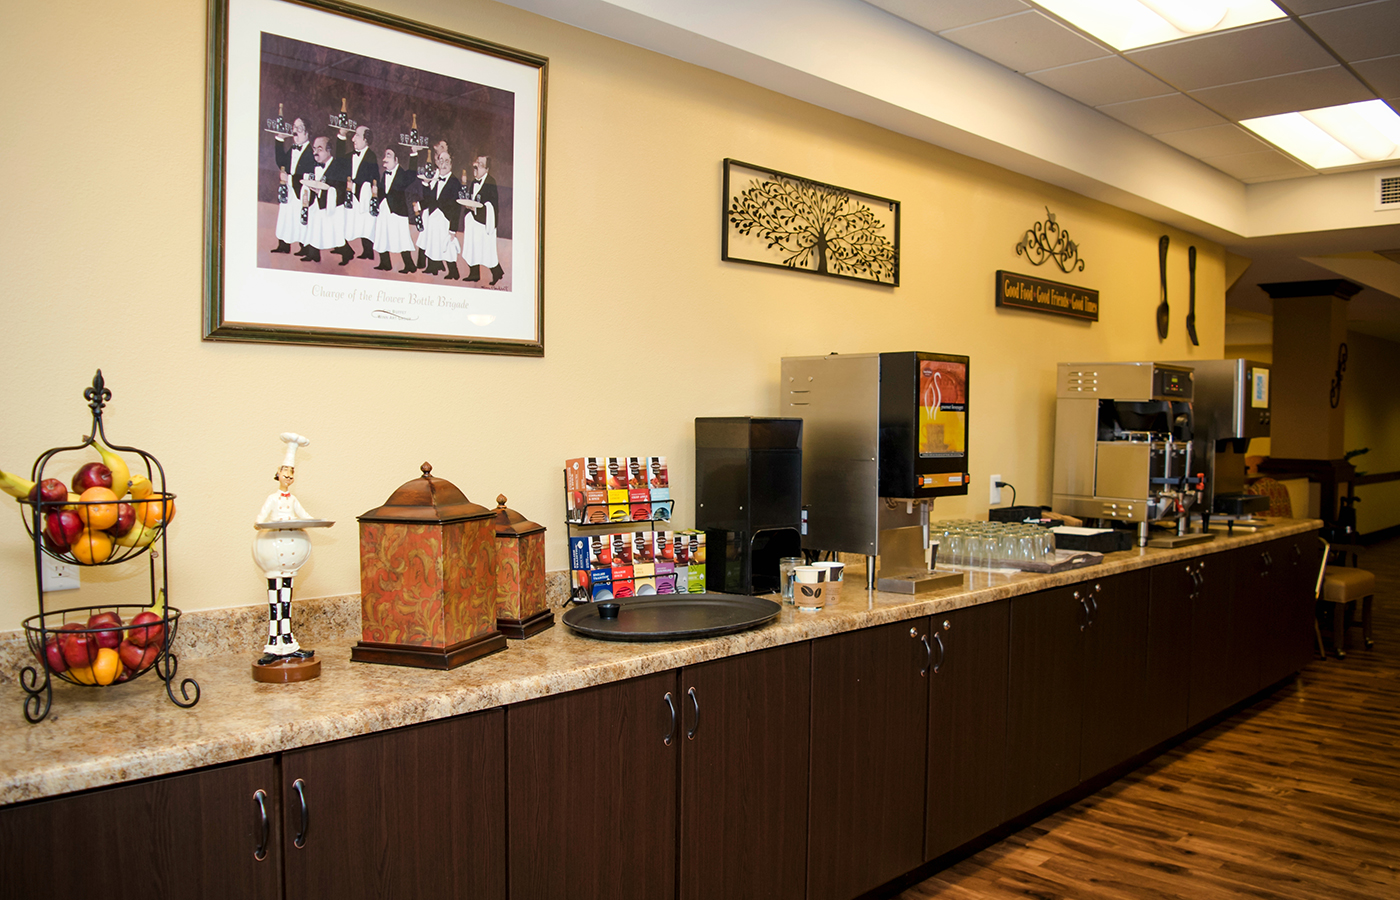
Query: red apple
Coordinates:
[78,649]
[62,527]
[92,475]
[126,518]
[149,657]
[131,655]
[106,620]
[50,490]
[54,654]
[142,633]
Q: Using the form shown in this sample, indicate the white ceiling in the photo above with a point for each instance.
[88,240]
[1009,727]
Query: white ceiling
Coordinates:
[1007,82]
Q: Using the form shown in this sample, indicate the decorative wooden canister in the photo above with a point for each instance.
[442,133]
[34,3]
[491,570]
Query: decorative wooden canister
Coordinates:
[427,578]
[522,608]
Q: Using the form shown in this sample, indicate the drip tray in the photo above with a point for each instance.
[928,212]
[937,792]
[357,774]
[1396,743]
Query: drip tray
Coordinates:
[672,617]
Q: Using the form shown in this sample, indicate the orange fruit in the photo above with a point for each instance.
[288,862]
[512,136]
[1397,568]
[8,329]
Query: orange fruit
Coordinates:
[82,674]
[107,666]
[154,512]
[98,508]
[92,547]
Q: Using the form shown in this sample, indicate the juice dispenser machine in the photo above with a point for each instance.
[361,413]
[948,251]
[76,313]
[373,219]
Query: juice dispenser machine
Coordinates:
[1123,434]
[884,434]
[1231,408]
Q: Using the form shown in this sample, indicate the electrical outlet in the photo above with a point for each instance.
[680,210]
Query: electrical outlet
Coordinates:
[995,496]
[58,576]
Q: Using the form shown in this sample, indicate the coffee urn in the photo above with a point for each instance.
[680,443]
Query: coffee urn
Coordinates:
[1231,408]
[1123,435]
[885,434]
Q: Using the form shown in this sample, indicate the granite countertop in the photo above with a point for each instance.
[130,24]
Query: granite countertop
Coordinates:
[102,736]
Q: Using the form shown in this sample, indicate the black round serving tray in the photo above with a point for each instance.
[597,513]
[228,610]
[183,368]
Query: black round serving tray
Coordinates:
[673,617]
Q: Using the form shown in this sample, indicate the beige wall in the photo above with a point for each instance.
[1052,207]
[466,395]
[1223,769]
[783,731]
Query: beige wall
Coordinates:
[645,327]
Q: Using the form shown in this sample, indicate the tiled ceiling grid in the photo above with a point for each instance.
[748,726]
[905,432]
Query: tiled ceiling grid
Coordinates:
[1191,93]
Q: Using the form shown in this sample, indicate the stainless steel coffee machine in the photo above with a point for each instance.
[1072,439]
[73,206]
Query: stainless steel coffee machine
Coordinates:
[1231,407]
[1123,435]
[884,434]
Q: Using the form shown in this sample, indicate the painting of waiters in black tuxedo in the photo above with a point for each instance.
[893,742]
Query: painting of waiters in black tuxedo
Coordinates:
[376,169]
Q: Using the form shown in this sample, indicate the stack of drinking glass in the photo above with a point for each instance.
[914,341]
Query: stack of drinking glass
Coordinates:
[967,542]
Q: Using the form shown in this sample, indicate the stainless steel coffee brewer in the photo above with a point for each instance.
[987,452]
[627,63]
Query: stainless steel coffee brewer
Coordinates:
[1123,436]
[1231,407]
[883,434]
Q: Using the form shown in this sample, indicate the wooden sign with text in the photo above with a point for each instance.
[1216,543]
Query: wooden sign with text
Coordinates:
[1039,295]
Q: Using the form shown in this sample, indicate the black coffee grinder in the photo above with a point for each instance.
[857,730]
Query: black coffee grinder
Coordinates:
[748,499]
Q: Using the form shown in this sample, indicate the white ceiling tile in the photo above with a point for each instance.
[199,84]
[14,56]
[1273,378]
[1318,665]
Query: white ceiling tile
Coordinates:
[1273,48]
[1026,42]
[1215,140]
[1383,74]
[947,14]
[1158,115]
[1262,165]
[1360,32]
[1332,86]
[1099,81]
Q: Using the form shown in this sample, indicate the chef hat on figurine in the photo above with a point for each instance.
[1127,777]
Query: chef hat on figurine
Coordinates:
[293,441]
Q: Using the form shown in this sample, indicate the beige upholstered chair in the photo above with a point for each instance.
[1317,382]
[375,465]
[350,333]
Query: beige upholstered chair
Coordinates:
[1344,587]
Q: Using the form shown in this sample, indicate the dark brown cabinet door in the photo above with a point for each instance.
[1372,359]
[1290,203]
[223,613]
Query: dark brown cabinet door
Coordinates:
[592,792]
[967,725]
[746,724]
[1287,605]
[1216,668]
[193,835]
[1044,714]
[414,812]
[1166,705]
[1115,672]
[869,758]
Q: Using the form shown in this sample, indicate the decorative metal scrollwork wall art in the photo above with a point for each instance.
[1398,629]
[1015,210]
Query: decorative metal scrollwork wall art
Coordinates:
[1047,240]
[1334,396]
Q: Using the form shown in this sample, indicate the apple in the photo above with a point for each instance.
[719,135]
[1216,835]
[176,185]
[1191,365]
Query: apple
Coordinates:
[50,490]
[131,655]
[78,649]
[54,654]
[126,518]
[142,633]
[106,620]
[62,527]
[93,475]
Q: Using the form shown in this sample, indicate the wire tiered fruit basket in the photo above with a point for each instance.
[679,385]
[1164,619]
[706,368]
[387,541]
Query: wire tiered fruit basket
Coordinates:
[97,646]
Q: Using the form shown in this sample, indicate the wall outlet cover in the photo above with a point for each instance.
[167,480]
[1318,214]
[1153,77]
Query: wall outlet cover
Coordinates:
[995,496]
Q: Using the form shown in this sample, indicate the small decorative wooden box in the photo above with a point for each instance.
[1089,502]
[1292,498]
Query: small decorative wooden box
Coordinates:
[522,607]
[427,578]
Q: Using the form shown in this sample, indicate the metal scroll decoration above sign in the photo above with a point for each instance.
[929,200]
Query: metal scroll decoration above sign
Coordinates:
[1047,240]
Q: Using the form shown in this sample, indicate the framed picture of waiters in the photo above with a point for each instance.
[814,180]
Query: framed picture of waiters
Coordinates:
[771,218]
[371,182]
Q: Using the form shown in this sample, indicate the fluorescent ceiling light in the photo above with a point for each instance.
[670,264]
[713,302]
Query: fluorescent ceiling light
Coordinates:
[1334,136]
[1128,24]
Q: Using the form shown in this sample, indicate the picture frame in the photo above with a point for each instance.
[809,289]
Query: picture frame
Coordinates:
[772,218]
[357,246]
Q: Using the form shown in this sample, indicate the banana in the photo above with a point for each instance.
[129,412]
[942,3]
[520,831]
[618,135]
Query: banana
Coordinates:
[140,487]
[121,473]
[14,485]
[140,535]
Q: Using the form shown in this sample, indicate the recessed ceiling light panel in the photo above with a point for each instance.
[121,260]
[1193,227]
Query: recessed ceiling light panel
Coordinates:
[1334,136]
[1129,24]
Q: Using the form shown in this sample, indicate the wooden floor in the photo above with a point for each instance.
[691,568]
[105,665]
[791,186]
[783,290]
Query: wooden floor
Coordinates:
[1296,797]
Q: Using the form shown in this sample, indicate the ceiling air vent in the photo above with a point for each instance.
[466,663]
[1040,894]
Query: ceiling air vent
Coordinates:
[1387,192]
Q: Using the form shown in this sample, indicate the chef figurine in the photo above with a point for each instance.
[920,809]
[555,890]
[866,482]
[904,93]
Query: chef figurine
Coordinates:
[280,548]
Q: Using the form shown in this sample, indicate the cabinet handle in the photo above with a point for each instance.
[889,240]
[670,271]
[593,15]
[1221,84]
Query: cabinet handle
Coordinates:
[1093,607]
[938,639]
[264,825]
[671,705]
[928,655]
[1084,605]
[300,841]
[695,726]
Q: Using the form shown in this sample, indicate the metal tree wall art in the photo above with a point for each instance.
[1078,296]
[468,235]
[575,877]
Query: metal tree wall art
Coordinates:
[784,220]
[1047,240]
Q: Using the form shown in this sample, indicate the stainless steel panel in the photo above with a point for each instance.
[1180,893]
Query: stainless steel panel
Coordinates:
[838,399]
[1123,470]
[1076,432]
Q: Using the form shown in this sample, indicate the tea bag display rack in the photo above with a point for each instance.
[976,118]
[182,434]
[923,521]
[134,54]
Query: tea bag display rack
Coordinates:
[81,626]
